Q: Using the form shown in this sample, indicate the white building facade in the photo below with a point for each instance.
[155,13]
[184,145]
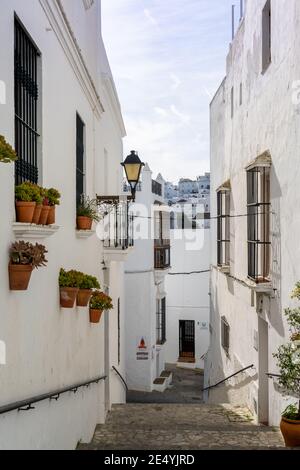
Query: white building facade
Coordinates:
[48,348]
[145,272]
[187,287]
[254,195]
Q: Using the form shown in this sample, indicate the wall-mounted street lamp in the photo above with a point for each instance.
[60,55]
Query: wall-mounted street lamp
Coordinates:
[133,167]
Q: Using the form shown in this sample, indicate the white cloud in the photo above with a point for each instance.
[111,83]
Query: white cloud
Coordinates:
[150,17]
[167,75]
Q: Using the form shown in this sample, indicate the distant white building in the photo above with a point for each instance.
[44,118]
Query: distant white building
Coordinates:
[255,203]
[145,273]
[188,297]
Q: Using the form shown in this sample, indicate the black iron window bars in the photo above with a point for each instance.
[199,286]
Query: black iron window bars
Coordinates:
[26,106]
[258,210]
[161,321]
[118,222]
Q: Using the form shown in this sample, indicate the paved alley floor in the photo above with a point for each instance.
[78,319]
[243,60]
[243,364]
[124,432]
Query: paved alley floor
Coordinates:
[186,387]
[178,420]
[181,427]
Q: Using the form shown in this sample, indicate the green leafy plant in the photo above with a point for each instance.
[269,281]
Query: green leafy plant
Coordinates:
[288,358]
[53,197]
[88,208]
[7,153]
[100,301]
[69,278]
[291,412]
[88,282]
[26,253]
[29,192]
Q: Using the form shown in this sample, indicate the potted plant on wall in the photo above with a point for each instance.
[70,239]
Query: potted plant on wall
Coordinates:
[288,362]
[45,207]
[27,196]
[7,153]
[69,287]
[87,213]
[54,200]
[86,285]
[37,197]
[23,258]
[98,303]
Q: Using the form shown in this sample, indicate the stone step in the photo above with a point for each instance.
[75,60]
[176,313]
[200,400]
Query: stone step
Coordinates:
[180,427]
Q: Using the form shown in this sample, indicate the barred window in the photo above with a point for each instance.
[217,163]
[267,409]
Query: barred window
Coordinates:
[80,159]
[27,101]
[258,208]
[225,334]
[161,321]
[223,228]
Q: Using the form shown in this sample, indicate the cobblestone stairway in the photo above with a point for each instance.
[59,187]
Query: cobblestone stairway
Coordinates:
[182,427]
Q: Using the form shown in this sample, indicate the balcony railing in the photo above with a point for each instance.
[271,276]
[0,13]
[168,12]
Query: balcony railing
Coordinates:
[156,188]
[162,251]
[118,224]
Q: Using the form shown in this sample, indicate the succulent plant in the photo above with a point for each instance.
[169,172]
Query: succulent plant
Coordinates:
[69,278]
[7,153]
[29,192]
[53,197]
[26,253]
[88,282]
[100,301]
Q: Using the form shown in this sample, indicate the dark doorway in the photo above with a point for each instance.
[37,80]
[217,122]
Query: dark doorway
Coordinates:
[187,339]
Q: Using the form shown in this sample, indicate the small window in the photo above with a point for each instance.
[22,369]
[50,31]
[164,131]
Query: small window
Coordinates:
[225,334]
[266,36]
[223,227]
[258,209]
[80,159]
[161,321]
[232,102]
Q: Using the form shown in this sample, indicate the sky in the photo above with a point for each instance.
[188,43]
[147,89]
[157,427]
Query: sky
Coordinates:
[168,59]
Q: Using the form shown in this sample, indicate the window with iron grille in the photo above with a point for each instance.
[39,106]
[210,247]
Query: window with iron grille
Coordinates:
[27,102]
[161,321]
[258,208]
[266,36]
[223,227]
[225,334]
[80,159]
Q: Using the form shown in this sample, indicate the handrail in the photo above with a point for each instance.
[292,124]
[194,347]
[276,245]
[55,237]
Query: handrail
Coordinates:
[123,380]
[227,378]
[25,405]
[270,376]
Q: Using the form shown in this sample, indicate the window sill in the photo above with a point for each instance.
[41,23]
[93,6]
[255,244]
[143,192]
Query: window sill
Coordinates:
[117,254]
[32,231]
[225,269]
[85,233]
[261,287]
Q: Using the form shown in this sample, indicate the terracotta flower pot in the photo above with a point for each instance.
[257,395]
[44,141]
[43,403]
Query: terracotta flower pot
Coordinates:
[95,315]
[84,223]
[44,215]
[37,214]
[68,296]
[291,432]
[19,276]
[51,216]
[25,211]
[83,297]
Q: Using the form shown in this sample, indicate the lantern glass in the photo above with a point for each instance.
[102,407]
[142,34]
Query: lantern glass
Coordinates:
[133,172]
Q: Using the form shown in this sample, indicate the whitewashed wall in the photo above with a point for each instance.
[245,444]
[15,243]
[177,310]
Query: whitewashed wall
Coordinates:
[267,119]
[47,347]
[188,296]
